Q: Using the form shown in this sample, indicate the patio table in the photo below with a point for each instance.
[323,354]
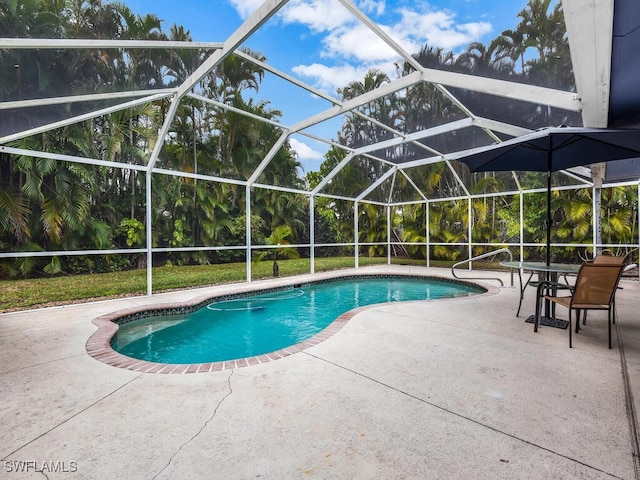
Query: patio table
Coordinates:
[550,272]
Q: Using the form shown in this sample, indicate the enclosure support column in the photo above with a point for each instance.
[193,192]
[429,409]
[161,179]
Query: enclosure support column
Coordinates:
[148,232]
[521,227]
[597,175]
[355,233]
[388,234]
[594,221]
[469,232]
[312,233]
[427,232]
[638,225]
[247,210]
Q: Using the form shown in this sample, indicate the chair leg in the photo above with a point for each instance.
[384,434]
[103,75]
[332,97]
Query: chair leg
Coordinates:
[577,320]
[571,329]
[613,305]
[536,319]
[609,328]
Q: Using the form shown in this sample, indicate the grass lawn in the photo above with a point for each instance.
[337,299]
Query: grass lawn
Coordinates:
[49,291]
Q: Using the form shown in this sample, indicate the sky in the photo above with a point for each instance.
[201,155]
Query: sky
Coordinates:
[322,44]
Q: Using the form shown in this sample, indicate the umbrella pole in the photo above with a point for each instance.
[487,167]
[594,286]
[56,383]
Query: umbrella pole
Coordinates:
[549,151]
[548,217]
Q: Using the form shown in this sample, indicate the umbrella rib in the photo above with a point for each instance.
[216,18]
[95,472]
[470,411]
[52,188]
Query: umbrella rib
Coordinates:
[493,159]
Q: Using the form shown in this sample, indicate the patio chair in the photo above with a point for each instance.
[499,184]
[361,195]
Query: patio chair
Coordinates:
[595,289]
[610,259]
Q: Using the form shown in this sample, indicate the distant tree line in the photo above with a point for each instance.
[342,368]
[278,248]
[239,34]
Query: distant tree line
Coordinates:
[49,205]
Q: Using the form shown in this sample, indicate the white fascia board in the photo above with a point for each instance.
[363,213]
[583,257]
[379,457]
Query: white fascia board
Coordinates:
[502,88]
[59,44]
[79,118]
[590,31]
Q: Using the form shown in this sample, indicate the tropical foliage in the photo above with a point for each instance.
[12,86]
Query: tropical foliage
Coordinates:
[49,205]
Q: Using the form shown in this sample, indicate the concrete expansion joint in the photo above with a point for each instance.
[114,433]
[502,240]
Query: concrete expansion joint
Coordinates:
[68,419]
[464,416]
[630,404]
[38,365]
[197,434]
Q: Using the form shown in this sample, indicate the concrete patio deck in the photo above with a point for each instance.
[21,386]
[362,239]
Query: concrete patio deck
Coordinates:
[445,389]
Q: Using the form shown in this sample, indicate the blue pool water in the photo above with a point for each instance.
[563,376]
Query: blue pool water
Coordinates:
[258,324]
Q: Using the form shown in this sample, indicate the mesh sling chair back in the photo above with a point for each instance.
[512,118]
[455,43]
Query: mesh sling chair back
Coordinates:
[610,259]
[595,289]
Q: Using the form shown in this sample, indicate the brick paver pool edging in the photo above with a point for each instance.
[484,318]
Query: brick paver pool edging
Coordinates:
[99,347]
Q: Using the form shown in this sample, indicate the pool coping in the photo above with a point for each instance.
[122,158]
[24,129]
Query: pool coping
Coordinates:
[99,346]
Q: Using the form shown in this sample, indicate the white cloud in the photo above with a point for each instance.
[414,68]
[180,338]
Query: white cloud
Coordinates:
[304,151]
[358,43]
[438,29]
[350,49]
[372,7]
[330,78]
[319,15]
[246,7]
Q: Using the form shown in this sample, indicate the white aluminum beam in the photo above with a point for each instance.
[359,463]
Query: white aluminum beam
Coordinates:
[590,31]
[430,132]
[380,33]
[251,24]
[230,108]
[349,105]
[416,188]
[39,102]
[60,44]
[80,118]
[376,184]
[70,158]
[313,91]
[267,159]
[506,128]
[332,174]
[502,88]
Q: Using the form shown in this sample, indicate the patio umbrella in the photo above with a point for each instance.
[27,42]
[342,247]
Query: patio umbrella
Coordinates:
[552,149]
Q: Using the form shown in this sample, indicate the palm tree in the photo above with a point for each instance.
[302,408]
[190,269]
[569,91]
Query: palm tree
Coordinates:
[279,236]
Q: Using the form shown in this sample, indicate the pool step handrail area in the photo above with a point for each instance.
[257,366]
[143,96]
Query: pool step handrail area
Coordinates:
[479,257]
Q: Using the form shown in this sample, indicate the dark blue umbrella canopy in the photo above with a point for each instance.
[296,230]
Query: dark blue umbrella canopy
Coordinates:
[552,149]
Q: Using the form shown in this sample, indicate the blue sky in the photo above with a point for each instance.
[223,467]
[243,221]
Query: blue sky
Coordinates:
[325,46]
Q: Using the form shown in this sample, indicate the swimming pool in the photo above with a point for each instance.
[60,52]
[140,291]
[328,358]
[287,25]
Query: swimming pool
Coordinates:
[243,327]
